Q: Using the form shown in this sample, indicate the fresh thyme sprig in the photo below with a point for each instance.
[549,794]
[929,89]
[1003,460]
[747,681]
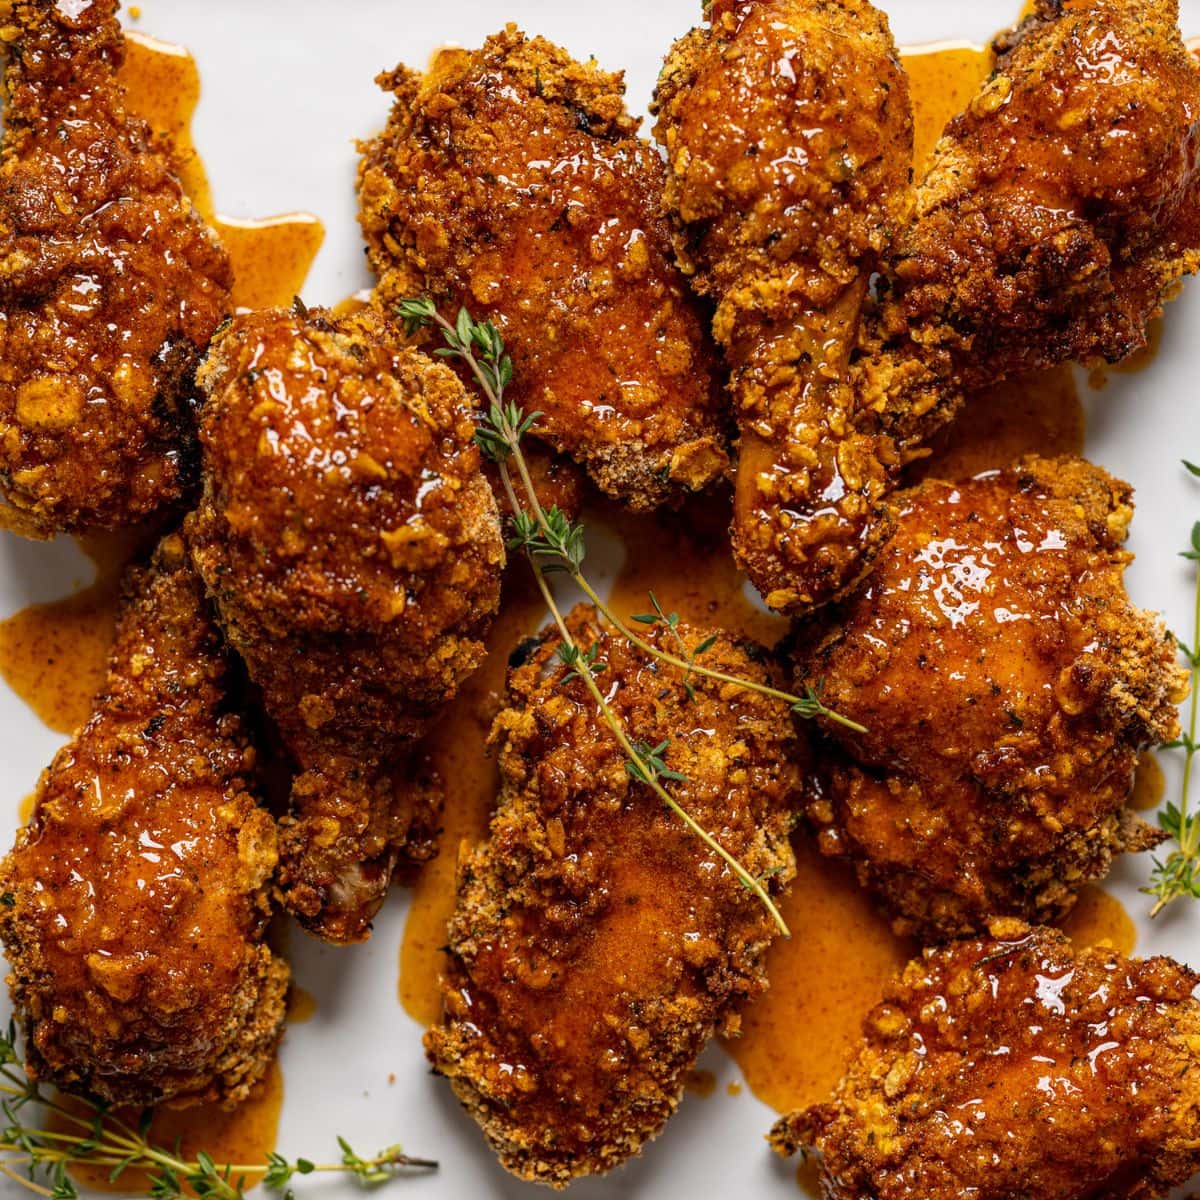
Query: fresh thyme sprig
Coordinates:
[547,533]
[1179,873]
[551,542]
[41,1159]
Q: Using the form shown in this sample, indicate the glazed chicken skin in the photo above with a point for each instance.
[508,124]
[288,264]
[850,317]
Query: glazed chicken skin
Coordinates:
[352,547]
[1058,213]
[1011,1065]
[110,285]
[1008,687]
[788,134]
[511,180]
[136,899]
[597,944]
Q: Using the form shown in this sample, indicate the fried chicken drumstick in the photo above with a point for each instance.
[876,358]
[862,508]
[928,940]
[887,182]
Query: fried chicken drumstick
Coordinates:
[511,180]
[598,944]
[110,284]
[1059,212]
[789,142]
[1008,687]
[352,548]
[1013,1066]
[137,897]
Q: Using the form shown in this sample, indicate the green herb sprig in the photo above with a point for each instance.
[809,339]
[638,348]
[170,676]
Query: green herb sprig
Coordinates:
[553,543]
[40,1159]
[1179,873]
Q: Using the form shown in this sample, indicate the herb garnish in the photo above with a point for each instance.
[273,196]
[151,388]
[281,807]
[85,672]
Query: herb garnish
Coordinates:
[552,542]
[40,1159]
[1179,873]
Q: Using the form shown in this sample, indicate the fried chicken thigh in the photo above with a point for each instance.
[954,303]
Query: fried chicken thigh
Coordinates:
[110,284]
[1008,687]
[1059,212]
[788,133]
[511,180]
[352,547]
[1013,1066]
[137,897]
[598,944]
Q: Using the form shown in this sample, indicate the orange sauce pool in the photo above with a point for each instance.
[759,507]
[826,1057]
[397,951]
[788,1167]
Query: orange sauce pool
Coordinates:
[797,1037]
[271,257]
[1149,783]
[301,1005]
[241,1136]
[54,655]
[1098,917]
[943,76]
[1038,414]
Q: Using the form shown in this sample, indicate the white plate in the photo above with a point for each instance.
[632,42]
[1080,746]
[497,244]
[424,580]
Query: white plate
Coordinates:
[287,88]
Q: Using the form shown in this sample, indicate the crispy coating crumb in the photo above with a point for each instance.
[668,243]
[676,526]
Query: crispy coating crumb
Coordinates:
[1060,211]
[353,549]
[788,133]
[597,945]
[1012,1065]
[511,179]
[110,284]
[139,890]
[1008,687]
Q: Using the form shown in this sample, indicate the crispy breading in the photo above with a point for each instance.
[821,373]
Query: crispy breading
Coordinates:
[511,180]
[136,900]
[352,547]
[1008,687]
[1014,1066]
[788,133]
[110,285]
[1058,214]
[598,944]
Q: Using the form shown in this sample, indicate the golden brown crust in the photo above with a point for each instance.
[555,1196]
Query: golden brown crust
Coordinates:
[789,143]
[597,945]
[110,285]
[1058,214]
[1008,687]
[137,897]
[1013,1066]
[511,179]
[352,547]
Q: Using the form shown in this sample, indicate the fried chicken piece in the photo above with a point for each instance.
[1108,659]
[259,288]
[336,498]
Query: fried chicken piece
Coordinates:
[788,133]
[110,284]
[598,944]
[1014,1066]
[1008,687]
[511,180]
[352,547]
[1059,212]
[136,899]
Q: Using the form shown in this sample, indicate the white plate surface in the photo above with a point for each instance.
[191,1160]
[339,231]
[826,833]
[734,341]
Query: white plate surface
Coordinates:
[288,86]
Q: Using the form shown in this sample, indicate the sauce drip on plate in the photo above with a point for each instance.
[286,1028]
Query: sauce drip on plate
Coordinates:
[271,257]
[241,1136]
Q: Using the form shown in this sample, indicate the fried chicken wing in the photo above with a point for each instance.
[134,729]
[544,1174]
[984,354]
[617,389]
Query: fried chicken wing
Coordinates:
[511,180]
[788,133]
[1013,1066]
[1008,687]
[137,897]
[110,284]
[352,547]
[597,944]
[1059,212]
